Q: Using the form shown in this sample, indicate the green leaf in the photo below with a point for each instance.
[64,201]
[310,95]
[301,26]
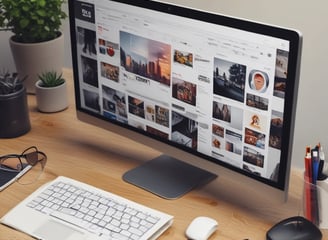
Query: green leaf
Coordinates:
[42,3]
[15,13]
[28,18]
[24,22]
[26,8]
[41,12]
[40,21]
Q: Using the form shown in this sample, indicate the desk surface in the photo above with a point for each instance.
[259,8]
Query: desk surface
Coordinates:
[100,158]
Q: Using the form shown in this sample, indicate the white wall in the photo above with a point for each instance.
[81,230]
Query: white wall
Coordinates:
[6,60]
[310,18]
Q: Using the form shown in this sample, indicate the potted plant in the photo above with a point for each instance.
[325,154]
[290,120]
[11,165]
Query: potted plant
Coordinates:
[14,120]
[37,44]
[51,92]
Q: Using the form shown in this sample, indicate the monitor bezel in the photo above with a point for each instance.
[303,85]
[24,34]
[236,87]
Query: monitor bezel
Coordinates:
[196,158]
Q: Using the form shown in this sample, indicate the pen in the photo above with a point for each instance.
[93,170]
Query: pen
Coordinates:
[314,195]
[308,165]
[307,184]
[315,165]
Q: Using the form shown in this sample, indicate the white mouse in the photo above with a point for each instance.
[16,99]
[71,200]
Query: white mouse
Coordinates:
[201,228]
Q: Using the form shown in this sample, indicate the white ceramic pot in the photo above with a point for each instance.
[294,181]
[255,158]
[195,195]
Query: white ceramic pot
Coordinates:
[53,99]
[32,59]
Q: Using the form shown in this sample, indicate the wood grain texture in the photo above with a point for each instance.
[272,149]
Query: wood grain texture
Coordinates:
[92,155]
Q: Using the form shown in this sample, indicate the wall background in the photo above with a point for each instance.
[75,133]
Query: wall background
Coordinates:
[310,18]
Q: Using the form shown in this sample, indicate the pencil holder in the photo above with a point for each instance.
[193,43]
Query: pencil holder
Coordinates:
[315,202]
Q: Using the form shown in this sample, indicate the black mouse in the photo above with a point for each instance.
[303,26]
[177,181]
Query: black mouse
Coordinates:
[294,228]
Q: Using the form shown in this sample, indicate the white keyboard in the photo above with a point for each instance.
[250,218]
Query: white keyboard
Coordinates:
[102,213]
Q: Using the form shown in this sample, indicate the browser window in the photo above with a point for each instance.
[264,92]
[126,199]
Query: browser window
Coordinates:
[226,85]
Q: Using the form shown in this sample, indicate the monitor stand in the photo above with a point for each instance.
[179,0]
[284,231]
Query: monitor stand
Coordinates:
[168,177]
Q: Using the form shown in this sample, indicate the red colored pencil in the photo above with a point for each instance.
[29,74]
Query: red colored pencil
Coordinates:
[307,184]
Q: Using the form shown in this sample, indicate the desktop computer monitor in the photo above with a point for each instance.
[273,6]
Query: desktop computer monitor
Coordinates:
[215,94]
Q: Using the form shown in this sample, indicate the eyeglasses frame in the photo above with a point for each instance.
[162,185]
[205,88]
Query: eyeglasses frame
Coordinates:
[25,154]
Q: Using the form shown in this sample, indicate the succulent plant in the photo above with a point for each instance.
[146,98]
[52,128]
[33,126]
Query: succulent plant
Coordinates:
[10,83]
[51,79]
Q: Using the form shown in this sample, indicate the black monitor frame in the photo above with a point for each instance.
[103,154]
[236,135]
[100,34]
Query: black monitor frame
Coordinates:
[169,147]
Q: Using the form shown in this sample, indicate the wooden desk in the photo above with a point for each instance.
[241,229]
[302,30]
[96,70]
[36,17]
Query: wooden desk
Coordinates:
[100,158]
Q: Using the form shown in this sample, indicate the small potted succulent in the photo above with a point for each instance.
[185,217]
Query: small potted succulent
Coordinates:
[51,92]
[38,43]
[14,120]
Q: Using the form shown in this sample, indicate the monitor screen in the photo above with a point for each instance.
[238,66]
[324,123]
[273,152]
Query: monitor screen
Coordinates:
[201,87]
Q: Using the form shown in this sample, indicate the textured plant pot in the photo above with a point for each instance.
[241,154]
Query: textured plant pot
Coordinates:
[53,99]
[14,120]
[32,59]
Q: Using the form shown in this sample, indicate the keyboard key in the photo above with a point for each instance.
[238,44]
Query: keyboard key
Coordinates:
[98,212]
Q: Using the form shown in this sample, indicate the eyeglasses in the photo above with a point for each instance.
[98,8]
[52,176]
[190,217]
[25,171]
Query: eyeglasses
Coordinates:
[27,166]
